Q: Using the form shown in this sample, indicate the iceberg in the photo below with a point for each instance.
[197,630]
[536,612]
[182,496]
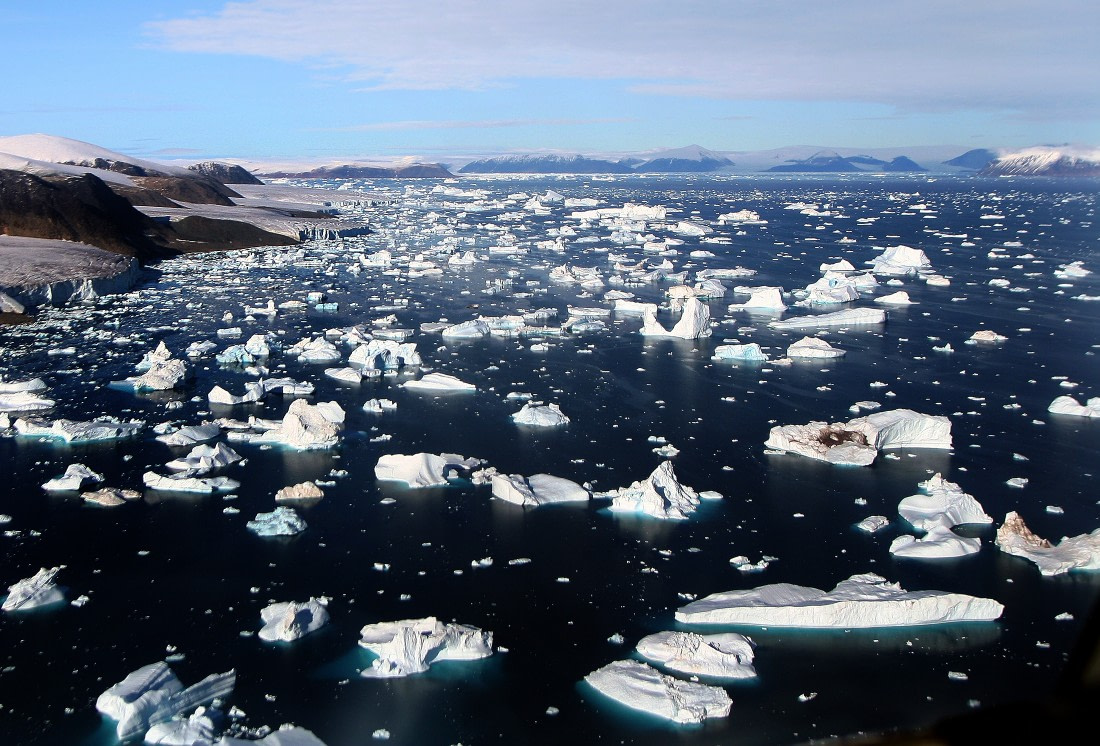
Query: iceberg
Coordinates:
[763,299]
[420,469]
[466,330]
[385,354]
[540,416]
[196,730]
[287,735]
[305,427]
[35,592]
[694,323]
[642,687]
[438,382]
[900,260]
[160,354]
[814,348]
[857,442]
[939,543]
[942,505]
[304,492]
[1069,406]
[73,479]
[186,482]
[749,353]
[289,621]
[842,266]
[861,601]
[1071,553]
[282,521]
[161,376]
[110,497]
[29,386]
[152,694]
[536,490]
[24,401]
[847,317]
[77,432]
[660,495]
[410,646]
[204,458]
[725,655]
[987,336]
[900,298]
[191,435]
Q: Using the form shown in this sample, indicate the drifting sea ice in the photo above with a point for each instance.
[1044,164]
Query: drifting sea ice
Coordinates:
[536,490]
[196,730]
[184,482]
[412,645]
[77,432]
[939,543]
[289,621]
[304,492]
[203,459]
[191,435]
[749,353]
[726,655]
[1071,553]
[900,298]
[813,348]
[642,687]
[34,592]
[24,401]
[858,441]
[900,260]
[866,600]
[305,427]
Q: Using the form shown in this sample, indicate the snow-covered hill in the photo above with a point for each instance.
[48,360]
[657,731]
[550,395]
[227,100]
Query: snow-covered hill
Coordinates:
[1047,161]
[55,149]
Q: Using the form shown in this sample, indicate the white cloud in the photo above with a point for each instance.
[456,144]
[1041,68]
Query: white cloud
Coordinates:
[453,124]
[939,53]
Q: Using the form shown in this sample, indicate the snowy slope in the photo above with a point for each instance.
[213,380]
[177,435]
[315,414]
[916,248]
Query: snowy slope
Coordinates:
[1047,161]
[45,168]
[54,149]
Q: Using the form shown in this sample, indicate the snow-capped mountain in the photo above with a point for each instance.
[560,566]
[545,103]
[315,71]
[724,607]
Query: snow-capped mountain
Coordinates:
[1047,161]
[55,149]
[544,164]
[692,158]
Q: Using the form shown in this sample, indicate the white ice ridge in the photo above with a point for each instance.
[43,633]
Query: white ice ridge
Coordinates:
[305,427]
[642,687]
[1071,553]
[421,469]
[727,655]
[540,416]
[538,489]
[288,621]
[152,694]
[693,323]
[1069,405]
[847,317]
[813,347]
[439,382]
[943,504]
[412,645]
[35,591]
[858,441]
[74,478]
[659,495]
[77,432]
[866,600]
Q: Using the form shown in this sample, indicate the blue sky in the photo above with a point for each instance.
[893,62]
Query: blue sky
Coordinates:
[320,79]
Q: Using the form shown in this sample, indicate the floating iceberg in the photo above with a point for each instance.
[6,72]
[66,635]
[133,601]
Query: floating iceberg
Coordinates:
[986,336]
[410,646]
[900,298]
[304,492]
[305,427]
[842,266]
[204,458]
[1071,553]
[384,354]
[110,497]
[847,317]
[344,375]
[439,382]
[939,543]
[866,600]
[660,495]
[29,386]
[191,435]
[24,401]
[286,622]
[900,260]
[152,694]
[726,655]
[943,504]
[282,521]
[858,441]
[813,347]
[34,592]
[538,489]
[642,687]
[77,432]
[540,416]
[420,469]
[762,299]
[749,353]
[196,730]
[73,479]
[466,330]
[694,323]
[161,376]
[1070,406]
[185,482]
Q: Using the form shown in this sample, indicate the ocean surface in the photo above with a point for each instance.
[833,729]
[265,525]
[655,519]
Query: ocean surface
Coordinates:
[177,575]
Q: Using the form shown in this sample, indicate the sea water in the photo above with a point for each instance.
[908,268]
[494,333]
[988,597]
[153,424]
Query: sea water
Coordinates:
[178,575]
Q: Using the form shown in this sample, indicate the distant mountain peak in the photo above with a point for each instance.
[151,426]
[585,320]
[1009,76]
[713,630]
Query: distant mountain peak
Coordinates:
[1047,161]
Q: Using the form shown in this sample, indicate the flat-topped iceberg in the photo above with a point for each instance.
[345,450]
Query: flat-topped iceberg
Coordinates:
[1069,406]
[71,431]
[152,694]
[289,621]
[282,521]
[727,655]
[847,317]
[412,645]
[866,600]
[536,490]
[748,353]
[189,435]
[473,329]
[858,441]
[438,382]
[34,592]
[660,495]
[1071,553]
[384,354]
[185,482]
[421,469]
[642,687]
[537,415]
[693,323]
[24,401]
[204,458]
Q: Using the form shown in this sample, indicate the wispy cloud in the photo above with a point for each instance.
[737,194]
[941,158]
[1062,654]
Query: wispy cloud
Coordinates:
[430,124]
[1011,55]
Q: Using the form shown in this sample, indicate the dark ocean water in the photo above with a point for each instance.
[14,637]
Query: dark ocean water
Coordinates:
[176,573]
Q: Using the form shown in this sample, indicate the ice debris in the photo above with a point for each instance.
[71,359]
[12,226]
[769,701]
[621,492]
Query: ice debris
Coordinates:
[410,646]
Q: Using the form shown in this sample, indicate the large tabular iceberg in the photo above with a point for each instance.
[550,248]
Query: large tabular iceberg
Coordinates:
[847,317]
[152,694]
[538,489]
[726,655]
[858,441]
[1071,553]
[35,591]
[860,601]
[642,687]
[659,495]
[412,645]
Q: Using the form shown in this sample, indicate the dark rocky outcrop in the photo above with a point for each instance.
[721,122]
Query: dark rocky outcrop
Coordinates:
[974,160]
[414,171]
[199,189]
[901,164]
[225,173]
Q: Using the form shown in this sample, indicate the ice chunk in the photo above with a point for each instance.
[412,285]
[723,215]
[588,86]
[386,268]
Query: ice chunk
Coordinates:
[847,317]
[466,330]
[344,375]
[160,354]
[873,523]
[29,386]
[986,335]
[204,458]
[412,645]
[943,504]
[306,491]
[162,376]
[538,489]
[282,521]
[1071,553]
[1070,406]
[900,260]
[813,347]
[286,622]
[866,600]
[540,416]
[196,730]
[694,323]
[940,542]
[642,687]
[305,427]
[841,266]
[191,435]
[900,298]
[420,469]
[73,479]
[185,482]
[439,382]
[34,592]
[378,406]
[384,354]
[152,694]
[660,495]
[110,497]
[77,432]
[727,655]
[749,353]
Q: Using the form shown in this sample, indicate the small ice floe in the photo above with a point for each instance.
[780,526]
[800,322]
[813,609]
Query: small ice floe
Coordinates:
[748,353]
[761,299]
[536,490]
[725,655]
[866,600]
[282,521]
[152,694]
[35,592]
[857,442]
[1071,553]
[741,563]
[77,432]
[184,482]
[412,645]
[378,406]
[1017,482]
[900,298]
[660,495]
[536,415]
[190,435]
[642,687]
[421,469]
[289,621]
